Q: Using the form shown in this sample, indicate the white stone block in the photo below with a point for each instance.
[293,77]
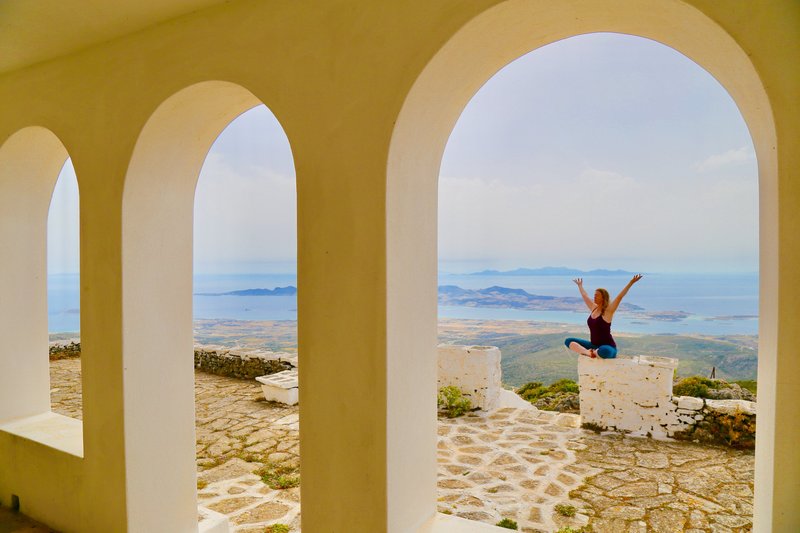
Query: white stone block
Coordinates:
[689,402]
[280,387]
[473,369]
[632,394]
[730,407]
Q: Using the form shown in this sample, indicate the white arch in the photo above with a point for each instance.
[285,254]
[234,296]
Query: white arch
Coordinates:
[30,161]
[157,225]
[475,53]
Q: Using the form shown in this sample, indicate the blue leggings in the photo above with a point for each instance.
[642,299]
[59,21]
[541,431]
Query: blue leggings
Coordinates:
[605,351]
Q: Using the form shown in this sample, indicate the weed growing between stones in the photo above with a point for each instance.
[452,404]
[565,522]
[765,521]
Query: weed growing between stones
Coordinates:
[277,528]
[565,509]
[584,529]
[201,484]
[279,476]
[453,402]
[591,426]
[507,523]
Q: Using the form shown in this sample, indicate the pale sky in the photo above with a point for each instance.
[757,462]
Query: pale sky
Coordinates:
[600,151]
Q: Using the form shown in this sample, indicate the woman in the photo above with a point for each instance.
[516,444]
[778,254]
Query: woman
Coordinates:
[602,343]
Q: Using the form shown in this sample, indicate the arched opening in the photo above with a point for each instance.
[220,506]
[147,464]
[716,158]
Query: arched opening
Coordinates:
[158,204]
[30,161]
[440,93]
[600,151]
[245,323]
[63,294]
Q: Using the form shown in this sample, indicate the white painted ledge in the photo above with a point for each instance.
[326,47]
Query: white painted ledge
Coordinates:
[50,429]
[442,523]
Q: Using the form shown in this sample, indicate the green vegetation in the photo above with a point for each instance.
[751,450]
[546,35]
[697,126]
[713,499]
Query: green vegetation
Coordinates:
[748,384]
[453,402]
[534,390]
[696,386]
[565,509]
[507,523]
[700,387]
[277,528]
[279,476]
[584,529]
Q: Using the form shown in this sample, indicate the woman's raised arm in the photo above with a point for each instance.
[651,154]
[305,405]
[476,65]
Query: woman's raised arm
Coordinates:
[588,301]
[612,307]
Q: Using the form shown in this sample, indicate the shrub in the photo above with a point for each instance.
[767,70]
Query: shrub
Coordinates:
[534,390]
[696,386]
[277,528]
[453,402]
[565,510]
[507,523]
[564,385]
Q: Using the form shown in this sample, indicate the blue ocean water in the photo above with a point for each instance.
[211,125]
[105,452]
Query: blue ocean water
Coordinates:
[720,304]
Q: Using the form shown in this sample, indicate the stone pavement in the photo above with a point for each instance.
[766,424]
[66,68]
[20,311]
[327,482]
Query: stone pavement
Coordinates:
[519,464]
[510,463]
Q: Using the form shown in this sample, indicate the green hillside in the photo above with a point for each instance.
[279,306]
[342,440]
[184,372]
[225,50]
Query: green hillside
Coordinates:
[543,357]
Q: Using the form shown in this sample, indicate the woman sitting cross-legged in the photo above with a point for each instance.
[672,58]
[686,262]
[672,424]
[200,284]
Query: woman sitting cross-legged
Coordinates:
[602,343]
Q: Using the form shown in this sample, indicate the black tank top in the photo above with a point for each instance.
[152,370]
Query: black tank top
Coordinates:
[600,331]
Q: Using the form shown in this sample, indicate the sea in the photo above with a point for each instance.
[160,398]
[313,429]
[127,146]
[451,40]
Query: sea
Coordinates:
[718,304]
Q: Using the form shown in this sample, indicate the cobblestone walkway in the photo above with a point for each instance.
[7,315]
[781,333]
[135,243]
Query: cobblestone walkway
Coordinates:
[511,463]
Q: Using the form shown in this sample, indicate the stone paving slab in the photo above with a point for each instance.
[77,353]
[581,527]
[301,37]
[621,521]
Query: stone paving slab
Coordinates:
[509,463]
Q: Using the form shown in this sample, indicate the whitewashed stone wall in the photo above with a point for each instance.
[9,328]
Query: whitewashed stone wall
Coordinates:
[631,394]
[473,369]
[634,394]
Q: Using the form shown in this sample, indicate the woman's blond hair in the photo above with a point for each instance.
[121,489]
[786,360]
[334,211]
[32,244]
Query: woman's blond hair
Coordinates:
[606,298]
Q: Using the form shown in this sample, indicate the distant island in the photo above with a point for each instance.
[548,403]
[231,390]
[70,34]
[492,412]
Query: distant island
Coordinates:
[277,291]
[553,271]
[504,297]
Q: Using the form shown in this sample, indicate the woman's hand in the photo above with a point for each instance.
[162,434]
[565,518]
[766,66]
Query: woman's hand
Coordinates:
[636,278]
[578,282]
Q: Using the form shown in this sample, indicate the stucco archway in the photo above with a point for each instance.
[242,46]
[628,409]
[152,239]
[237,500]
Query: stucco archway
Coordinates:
[157,227]
[483,46]
[30,161]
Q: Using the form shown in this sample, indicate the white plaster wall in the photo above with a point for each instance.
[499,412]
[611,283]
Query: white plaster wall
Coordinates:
[473,369]
[628,393]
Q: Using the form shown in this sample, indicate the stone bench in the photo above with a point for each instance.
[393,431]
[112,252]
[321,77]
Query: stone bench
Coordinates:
[280,387]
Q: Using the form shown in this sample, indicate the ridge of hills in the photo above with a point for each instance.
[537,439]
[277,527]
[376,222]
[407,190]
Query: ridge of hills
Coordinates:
[553,271]
[504,297]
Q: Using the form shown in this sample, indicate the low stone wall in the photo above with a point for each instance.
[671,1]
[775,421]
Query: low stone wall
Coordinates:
[634,395]
[64,349]
[728,422]
[473,369]
[242,364]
